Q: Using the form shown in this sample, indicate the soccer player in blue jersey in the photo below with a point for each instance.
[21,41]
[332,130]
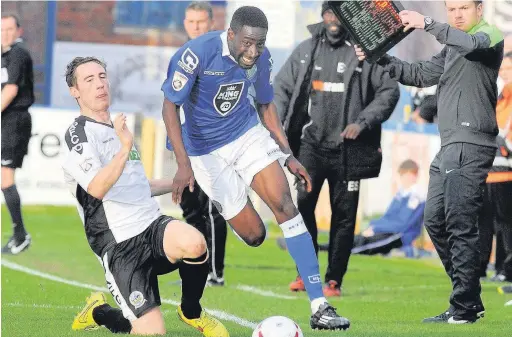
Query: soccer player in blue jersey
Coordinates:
[215,79]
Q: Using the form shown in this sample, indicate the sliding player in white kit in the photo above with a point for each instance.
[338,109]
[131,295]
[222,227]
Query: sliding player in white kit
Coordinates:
[133,240]
[227,149]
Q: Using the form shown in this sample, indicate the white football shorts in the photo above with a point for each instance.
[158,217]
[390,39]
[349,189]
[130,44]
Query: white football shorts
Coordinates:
[226,173]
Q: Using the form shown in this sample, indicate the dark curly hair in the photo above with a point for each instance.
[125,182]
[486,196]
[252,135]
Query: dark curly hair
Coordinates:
[248,16]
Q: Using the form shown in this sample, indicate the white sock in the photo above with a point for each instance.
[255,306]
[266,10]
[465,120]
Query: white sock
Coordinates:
[316,303]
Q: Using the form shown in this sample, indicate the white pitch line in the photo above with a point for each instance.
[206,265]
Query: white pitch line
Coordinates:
[217,313]
[262,292]
[40,306]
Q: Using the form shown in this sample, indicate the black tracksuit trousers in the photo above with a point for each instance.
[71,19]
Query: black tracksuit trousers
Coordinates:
[344,197]
[496,220]
[454,203]
[199,211]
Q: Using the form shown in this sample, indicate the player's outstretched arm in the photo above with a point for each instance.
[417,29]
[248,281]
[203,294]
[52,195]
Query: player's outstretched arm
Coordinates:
[184,176]
[481,36]
[270,119]
[421,74]
[160,186]
[108,175]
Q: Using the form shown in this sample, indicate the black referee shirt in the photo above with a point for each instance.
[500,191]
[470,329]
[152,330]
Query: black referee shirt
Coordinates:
[17,69]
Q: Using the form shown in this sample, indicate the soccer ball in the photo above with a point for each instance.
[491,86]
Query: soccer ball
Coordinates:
[277,326]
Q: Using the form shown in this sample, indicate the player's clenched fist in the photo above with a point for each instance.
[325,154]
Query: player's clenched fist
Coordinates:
[125,136]
[361,56]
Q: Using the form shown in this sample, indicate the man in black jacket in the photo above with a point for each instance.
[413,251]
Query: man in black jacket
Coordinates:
[332,107]
[466,72]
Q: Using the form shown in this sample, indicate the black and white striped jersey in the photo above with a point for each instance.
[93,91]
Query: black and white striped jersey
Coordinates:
[128,208]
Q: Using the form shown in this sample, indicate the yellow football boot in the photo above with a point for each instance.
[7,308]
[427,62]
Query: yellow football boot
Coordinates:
[84,321]
[208,325]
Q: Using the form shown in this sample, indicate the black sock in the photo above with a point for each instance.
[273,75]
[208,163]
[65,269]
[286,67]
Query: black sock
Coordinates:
[111,318]
[12,199]
[193,273]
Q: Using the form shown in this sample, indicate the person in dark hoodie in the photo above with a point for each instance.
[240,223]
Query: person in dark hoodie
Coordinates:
[466,72]
[332,107]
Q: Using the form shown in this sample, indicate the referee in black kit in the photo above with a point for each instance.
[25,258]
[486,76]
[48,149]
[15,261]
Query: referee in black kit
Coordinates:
[17,97]
[466,72]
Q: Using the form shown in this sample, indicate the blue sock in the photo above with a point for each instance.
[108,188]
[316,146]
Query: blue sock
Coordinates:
[300,246]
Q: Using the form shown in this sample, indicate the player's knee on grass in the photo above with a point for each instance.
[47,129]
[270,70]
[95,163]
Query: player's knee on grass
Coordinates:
[151,323]
[182,241]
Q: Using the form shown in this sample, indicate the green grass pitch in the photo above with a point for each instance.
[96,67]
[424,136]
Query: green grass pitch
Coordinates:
[381,296]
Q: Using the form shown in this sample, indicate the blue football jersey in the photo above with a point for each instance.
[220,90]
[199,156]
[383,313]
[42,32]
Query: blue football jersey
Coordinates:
[215,92]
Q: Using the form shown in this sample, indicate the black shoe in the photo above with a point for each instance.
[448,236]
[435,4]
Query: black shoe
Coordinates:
[441,318]
[15,246]
[326,318]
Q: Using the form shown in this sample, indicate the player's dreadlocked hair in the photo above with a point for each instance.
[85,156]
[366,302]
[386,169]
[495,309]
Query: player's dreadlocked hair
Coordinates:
[248,16]
[77,61]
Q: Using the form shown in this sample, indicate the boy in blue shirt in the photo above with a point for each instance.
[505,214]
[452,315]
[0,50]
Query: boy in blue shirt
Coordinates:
[401,223]
[225,147]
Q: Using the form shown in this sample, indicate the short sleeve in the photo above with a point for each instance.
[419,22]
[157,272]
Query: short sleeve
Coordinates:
[263,85]
[182,72]
[82,162]
[13,73]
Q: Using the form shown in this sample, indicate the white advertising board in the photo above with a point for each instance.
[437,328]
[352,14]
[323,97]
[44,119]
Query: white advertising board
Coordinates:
[136,74]
[41,181]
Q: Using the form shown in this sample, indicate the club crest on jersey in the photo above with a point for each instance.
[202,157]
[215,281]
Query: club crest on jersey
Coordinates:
[227,97]
[137,299]
[189,61]
[178,81]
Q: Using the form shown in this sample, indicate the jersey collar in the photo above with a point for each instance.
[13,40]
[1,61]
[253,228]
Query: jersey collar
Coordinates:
[225,48]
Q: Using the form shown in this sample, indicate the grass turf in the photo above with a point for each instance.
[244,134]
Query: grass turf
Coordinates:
[381,296]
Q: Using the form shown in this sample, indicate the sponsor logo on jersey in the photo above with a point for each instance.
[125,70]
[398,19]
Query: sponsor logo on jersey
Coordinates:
[178,81]
[189,61]
[75,138]
[214,73]
[134,154]
[227,97]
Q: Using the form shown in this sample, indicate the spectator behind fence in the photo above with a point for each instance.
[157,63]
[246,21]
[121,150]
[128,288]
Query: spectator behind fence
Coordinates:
[402,222]
[17,97]
[332,108]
